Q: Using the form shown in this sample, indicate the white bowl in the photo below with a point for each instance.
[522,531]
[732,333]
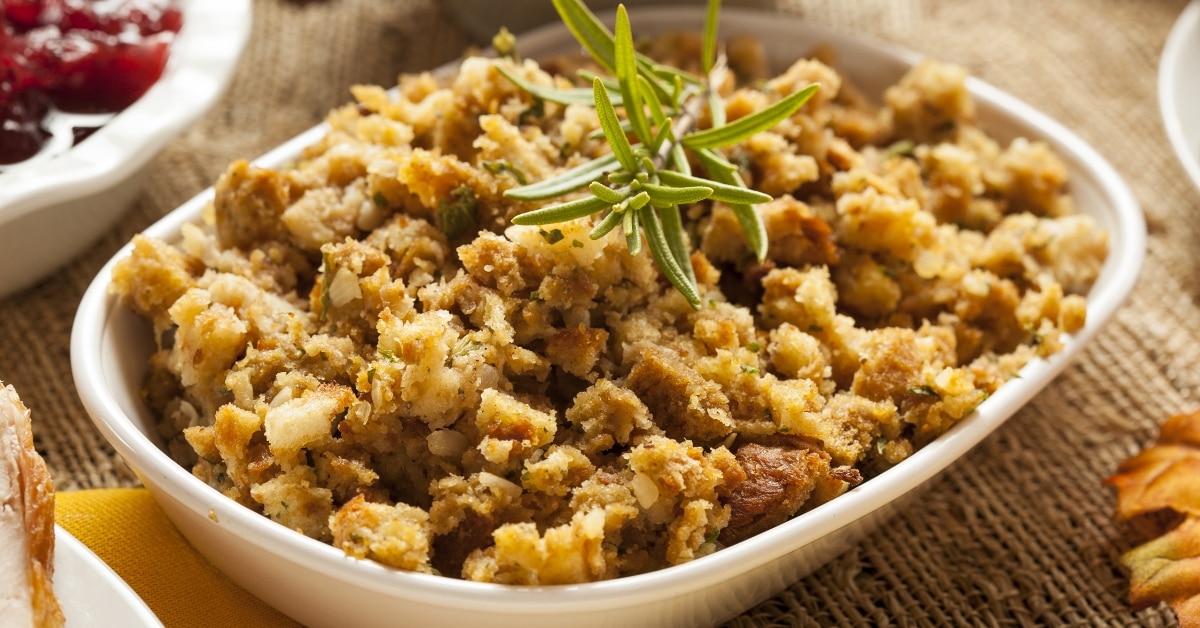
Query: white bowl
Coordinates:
[1179,89]
[54,205]
[318,585]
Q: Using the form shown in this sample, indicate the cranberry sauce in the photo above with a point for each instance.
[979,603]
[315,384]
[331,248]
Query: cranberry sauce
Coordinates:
[81,56]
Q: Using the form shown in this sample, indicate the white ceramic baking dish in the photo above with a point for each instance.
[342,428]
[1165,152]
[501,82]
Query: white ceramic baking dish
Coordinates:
[318,585]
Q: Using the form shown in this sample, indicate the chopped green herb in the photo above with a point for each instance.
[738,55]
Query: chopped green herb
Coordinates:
[925,391]
[534,296]
[456,217]
[381,201]
[535,111]
[577,244]
[902,148]
[750,369]
[552,236]
[986,394]
[499,165]
[466,345]
[754,346]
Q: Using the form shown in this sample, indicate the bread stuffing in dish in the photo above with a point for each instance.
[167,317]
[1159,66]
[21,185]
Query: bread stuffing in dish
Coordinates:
[364,347]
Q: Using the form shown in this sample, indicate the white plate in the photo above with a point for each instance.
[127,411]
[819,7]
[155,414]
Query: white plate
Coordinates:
[91,593]
[1179,89]
[320,586]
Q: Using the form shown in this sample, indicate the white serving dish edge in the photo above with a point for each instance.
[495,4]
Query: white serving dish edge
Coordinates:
[318,585]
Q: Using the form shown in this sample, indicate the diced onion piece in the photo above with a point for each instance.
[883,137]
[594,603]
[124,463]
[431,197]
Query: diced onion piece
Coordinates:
[447,443]
[499,484]
[344,288]
[645,490]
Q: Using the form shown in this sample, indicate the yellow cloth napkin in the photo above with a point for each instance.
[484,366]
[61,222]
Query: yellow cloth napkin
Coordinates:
[127,529]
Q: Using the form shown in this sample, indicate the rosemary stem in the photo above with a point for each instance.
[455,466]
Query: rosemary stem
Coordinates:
[691,113]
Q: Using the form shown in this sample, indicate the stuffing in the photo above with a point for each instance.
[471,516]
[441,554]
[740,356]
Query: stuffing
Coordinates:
[365,349]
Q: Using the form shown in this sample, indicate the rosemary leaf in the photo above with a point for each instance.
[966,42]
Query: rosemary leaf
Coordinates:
[737,194]
[589,76]
[568,181]
[747,126]
[561,212]
[591,32]
[708,50]
[574,96]
[657,113]
[627,77]
[752,227]
[607,194]
[633,236]
[663,134]
[598,134]
[670,267]
[721,191]
[716,109]
[714,161]
[658,78]
[609,223]
[612,128]
[668,74]
[621,178]
[679,160]
[599,42]
[664,195]
[648,174]
[673,231]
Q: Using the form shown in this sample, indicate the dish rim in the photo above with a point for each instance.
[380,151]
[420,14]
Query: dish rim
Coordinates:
[1184,34]
[1124,263]
[201,63]
[110,597]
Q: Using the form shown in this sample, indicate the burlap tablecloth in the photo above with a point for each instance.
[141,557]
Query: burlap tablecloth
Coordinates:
[1020,532]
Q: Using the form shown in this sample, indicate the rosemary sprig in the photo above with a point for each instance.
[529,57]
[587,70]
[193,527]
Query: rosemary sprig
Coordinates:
[642,183]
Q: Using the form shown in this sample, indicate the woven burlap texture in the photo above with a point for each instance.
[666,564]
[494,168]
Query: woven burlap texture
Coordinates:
[1020,531]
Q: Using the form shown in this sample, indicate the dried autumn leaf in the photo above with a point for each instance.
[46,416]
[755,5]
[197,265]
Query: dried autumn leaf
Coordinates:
[1164,479]
[1167,569]
[1165,475]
